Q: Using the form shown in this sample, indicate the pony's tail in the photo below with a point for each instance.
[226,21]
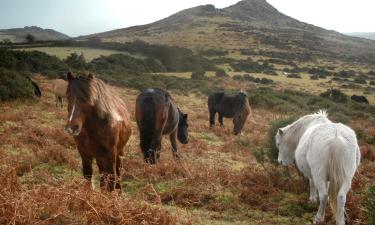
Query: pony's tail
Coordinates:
[148,124]
[337,173]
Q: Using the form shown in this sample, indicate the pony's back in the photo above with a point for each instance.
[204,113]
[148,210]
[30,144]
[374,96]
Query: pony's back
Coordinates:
[59,87]
[149,113]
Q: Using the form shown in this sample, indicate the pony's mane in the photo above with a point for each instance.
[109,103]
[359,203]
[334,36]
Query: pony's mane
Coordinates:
[95,92]
[295,130]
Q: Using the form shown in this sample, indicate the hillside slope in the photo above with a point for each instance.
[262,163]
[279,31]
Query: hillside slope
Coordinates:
[40,34]
[249,24]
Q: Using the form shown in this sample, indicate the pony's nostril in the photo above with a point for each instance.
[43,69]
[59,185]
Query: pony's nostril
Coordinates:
[75,128]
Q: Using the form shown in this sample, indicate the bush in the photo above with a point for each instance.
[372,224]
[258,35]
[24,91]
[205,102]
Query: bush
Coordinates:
[13,85]
[272,151]
[360,80]
[314,77]
[369,205]
[221,73]
[76,61]
[335,95]
[294,75]
[198,75]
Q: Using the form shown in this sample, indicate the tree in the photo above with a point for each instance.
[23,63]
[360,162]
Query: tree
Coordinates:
[30,38]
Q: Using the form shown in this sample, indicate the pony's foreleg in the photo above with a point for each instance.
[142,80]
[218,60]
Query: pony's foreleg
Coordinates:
[87,168]
[173,139]
[107,165]
[212,118]
[313,192]
[322,187]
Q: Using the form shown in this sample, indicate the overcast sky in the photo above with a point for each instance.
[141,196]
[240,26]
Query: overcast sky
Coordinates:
[81,17]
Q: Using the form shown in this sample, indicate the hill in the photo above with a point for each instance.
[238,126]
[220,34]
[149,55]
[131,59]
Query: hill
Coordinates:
[40,34]
[252,25]
[368,35]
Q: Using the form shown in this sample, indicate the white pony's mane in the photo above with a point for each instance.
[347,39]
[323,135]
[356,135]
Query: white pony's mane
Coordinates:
[294,131]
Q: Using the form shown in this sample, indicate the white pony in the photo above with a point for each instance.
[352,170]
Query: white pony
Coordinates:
[325,152]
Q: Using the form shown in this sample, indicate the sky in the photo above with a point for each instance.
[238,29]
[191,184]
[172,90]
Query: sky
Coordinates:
[82,17]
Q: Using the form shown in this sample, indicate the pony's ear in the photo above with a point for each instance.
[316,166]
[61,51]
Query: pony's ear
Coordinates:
[281,132]
[90,76]
[70,76]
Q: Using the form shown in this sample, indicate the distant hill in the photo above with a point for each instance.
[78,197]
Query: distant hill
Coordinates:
[251,25]
[368,35]
[40,34]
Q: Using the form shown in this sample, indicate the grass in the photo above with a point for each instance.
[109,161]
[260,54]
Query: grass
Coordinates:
[63,52]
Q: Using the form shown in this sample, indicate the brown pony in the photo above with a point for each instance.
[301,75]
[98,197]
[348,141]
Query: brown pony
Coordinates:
[59,87]
[157,115]
[100,124]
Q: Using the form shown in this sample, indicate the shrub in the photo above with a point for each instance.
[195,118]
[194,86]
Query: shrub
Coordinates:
[13,85]
[314,77]
[335,95]
[221,73]
[272,151]
[294,75]
[76,61]
[198,75]
[369,205]
[360,80]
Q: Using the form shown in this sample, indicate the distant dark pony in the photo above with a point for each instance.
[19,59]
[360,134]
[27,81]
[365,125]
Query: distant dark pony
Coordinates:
[100,124]
[157,115]
[359,99]
[236,107]
[37,91]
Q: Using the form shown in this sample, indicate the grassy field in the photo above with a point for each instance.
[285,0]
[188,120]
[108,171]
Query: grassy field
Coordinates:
[217,181]
[283,82]
[63,52]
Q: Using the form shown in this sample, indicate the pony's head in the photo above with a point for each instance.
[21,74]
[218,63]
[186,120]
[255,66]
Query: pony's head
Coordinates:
[286,154]
[182,132]
[80,103]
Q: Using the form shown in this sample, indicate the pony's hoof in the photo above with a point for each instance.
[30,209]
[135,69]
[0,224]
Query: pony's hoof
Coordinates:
[312,200]
[177,156]
[318,220]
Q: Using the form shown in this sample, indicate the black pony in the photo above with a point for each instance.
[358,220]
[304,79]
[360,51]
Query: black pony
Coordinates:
[359,99]
[157,115]
[37,91]
[236,107]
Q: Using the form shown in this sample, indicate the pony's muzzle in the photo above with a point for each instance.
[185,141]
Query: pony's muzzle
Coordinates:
[74,130]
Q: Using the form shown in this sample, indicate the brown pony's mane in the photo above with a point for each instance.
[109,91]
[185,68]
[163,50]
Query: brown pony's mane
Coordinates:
[93,91]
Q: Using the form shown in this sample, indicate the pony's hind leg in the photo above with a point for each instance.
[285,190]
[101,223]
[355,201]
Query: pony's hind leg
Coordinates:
[313,192]
[322,186]
[221,119]
[341,200]
[61,102]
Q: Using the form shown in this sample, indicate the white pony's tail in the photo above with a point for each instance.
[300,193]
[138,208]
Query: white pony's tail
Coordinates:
[337,173]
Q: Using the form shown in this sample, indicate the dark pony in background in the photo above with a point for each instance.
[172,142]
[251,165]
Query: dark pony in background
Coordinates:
[99,121]
[236,107]
[157,115]
[37,90]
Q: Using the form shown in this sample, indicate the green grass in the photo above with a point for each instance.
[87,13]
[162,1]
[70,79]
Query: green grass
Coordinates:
[63,52]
